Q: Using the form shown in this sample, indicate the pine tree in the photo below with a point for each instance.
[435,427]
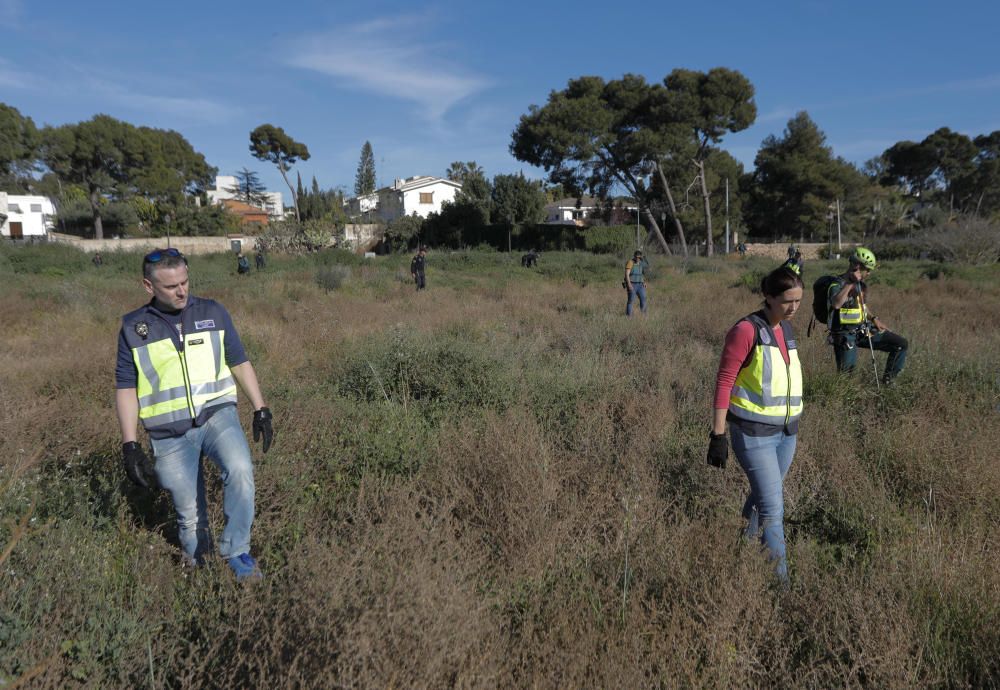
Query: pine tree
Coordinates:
[364,183]
[248,188]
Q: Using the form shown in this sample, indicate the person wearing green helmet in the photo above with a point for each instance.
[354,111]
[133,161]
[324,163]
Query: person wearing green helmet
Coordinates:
[852,326]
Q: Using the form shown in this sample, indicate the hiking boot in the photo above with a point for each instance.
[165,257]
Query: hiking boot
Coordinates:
[245,568]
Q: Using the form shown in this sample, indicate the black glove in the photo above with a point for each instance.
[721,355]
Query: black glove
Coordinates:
[718,450]
[138,466]
[262,425]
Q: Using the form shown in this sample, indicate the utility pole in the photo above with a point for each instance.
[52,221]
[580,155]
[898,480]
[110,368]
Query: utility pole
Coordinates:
[727,215]
[838,226]
[638,246]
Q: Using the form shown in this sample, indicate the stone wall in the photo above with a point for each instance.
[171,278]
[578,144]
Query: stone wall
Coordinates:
[779,251]
[187,245]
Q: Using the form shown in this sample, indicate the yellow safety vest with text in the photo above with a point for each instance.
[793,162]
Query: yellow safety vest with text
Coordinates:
[178,385]
[767,390]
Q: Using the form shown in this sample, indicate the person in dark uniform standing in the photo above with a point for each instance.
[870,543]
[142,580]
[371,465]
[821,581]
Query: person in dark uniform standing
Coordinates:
[417,266]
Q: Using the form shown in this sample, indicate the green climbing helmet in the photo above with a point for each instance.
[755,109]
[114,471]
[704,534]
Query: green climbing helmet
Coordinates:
[864,257]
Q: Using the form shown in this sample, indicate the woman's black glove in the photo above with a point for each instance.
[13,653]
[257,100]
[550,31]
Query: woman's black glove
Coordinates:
[718,450]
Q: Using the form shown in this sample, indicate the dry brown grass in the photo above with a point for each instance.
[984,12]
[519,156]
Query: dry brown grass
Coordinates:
[557,528]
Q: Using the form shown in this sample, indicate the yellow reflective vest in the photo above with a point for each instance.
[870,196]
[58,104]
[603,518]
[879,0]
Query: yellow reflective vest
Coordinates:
[850,315]
[178,387]
[767,390]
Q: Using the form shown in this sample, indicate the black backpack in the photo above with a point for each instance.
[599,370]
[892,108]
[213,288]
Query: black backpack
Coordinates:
[821,301]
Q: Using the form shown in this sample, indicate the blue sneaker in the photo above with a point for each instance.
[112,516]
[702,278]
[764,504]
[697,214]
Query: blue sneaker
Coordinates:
[245,568]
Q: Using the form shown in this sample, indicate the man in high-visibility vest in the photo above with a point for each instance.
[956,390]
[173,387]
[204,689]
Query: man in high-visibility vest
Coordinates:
[179,362]
[635,282]
[852,326]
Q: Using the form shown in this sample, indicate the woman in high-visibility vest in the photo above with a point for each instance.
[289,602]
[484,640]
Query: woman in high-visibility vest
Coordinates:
[758,390]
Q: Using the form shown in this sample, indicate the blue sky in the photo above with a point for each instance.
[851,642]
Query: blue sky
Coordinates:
[430,83]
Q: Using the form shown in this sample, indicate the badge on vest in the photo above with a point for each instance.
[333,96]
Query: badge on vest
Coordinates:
[199,341]
[765,337]
[207,323]
[142,330]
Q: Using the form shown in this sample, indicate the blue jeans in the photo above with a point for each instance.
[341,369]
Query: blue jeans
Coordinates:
[846,346]
[765,460]
[638,289]
[178,469]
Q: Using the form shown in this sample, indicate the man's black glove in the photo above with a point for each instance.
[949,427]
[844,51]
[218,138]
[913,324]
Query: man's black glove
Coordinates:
[718,450]
[138,466]
[262,426]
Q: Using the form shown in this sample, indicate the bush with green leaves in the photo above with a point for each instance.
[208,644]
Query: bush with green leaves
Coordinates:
[448,371]
[609,239]
[332,277]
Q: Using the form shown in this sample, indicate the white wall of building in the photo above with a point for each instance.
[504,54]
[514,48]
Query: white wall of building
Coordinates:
[404,197]
[34,213]
[362,204]
[223,183]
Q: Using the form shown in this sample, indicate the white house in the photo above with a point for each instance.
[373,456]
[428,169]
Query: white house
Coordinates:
[570,211]
[274,205]
[422,195]
[26,216]
[359,205]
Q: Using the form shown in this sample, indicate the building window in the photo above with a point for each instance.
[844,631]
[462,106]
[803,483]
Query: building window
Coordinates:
[426,197]
[13,208]
[36,208]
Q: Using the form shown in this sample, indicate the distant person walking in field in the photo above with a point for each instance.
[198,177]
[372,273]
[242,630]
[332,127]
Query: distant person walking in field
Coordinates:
[852,326]
[418,267]
[530,259]
[97,260]
[795,263]
[242,264]
[758,390]
[635,281]
[742,249]
[260,260]
[179,361]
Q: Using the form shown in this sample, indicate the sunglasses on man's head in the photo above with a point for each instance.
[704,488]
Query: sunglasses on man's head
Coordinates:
[159,254]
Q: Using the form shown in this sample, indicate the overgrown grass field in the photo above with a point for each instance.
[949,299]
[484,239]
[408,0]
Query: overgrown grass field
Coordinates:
[501,481]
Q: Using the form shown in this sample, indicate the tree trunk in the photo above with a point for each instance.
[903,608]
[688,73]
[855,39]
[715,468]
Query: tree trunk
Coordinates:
[95,208]
[655,230]
[708,208]
[295,200]
[673,209]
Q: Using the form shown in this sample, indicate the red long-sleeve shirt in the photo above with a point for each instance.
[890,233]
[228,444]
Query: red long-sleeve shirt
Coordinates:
[739,343]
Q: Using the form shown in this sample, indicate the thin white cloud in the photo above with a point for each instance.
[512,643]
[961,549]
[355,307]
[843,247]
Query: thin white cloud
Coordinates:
[987,83]
[180,107]
[12,77]
[384,57]
[852,149]
[779,113]
[11,12]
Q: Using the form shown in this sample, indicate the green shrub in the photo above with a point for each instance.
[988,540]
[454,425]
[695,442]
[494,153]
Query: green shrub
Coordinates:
[45,259]
[332,277]
[448,371]
[750,280]
[609,239]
